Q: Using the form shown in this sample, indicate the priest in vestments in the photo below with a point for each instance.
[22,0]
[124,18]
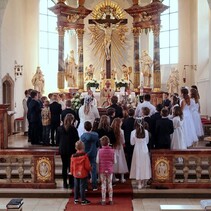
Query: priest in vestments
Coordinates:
[106,94]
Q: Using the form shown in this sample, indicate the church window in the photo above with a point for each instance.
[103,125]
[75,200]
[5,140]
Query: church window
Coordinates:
[48,41]
[169,33]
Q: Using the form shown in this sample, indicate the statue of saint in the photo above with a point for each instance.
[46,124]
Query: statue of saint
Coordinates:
[102,74]
[71,70]
[126,72]
[114,74]
[38,81]
[146,67]
[106,94]
[173,81]
[89,72]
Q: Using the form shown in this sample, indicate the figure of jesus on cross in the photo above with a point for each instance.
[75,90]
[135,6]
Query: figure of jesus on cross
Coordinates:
[108,25]
[107,28]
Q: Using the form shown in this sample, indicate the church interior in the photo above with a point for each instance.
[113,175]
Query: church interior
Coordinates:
[126,48]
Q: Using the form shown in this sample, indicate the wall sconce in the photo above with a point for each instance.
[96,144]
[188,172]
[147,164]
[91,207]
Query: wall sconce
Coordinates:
[186,66]
[18,70]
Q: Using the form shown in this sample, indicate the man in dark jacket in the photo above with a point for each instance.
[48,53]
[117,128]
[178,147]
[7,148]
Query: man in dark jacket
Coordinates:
[34,116]
[56,110]
[68,110]
[128,127]
[118,109]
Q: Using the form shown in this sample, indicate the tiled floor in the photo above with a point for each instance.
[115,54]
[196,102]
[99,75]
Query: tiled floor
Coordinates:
[35,204]
[150,204]
[153,204]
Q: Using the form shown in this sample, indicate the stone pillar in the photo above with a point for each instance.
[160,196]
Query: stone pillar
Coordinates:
[80,33]
[3,126]
[61,66]
[156,60]
[136,82]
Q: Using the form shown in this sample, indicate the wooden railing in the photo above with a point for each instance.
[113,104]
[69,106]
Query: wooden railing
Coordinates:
[181,169]
[27,168]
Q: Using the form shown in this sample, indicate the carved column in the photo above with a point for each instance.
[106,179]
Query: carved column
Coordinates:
[3,126]
[61,67]
[156,61]
[136,32]
[80,33]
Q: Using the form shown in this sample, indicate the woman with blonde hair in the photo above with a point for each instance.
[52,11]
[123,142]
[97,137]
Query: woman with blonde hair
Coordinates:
[87,112]
[121,166]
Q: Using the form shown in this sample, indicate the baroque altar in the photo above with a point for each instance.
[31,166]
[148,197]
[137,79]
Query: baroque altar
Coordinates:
[107,38]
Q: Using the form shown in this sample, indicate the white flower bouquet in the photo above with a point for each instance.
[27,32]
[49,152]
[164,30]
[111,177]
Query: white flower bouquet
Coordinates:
[76,101]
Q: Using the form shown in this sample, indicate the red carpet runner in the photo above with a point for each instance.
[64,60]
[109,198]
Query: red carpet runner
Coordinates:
[122,200]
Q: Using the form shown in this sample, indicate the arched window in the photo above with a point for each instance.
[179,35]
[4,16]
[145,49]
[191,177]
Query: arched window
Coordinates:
[169,33]
[48,45]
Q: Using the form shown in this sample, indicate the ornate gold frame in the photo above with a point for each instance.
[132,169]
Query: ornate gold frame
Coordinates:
[43,169]
[161,169]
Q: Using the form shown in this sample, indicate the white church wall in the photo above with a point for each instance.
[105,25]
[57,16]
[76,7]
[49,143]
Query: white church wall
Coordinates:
[202,75]
[185,37]
[19,43]
[13,47]
[3,5]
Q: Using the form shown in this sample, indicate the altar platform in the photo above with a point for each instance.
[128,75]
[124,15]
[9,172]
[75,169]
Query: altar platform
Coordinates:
[120,96]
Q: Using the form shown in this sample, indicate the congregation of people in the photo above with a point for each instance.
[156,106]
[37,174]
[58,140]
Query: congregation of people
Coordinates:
[105,148]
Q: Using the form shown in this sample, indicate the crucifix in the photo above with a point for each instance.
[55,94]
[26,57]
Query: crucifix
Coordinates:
[108,25]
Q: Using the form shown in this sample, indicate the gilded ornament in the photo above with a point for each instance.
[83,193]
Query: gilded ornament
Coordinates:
[61,30]
[108,7]
[72,18]
[43,169]
[161,169]
[156,30]
[136,31]
[80,33]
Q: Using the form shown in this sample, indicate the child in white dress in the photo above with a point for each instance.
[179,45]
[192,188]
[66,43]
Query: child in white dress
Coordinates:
[178,139]
[188,125]
[195,110]
[121,165]
[87,112]
[141,166]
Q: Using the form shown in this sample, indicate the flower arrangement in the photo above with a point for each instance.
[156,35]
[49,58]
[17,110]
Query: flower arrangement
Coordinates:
[92,83]
[76,101]
[121,83]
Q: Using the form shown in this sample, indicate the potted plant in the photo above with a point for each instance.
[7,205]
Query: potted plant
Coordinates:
[92,84]
[121,85]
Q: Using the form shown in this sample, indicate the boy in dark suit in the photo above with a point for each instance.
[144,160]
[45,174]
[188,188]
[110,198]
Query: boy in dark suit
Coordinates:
[164,128]
[128,127]
[56,110]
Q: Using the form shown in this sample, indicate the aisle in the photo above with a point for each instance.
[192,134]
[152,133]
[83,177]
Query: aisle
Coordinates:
[122,200]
